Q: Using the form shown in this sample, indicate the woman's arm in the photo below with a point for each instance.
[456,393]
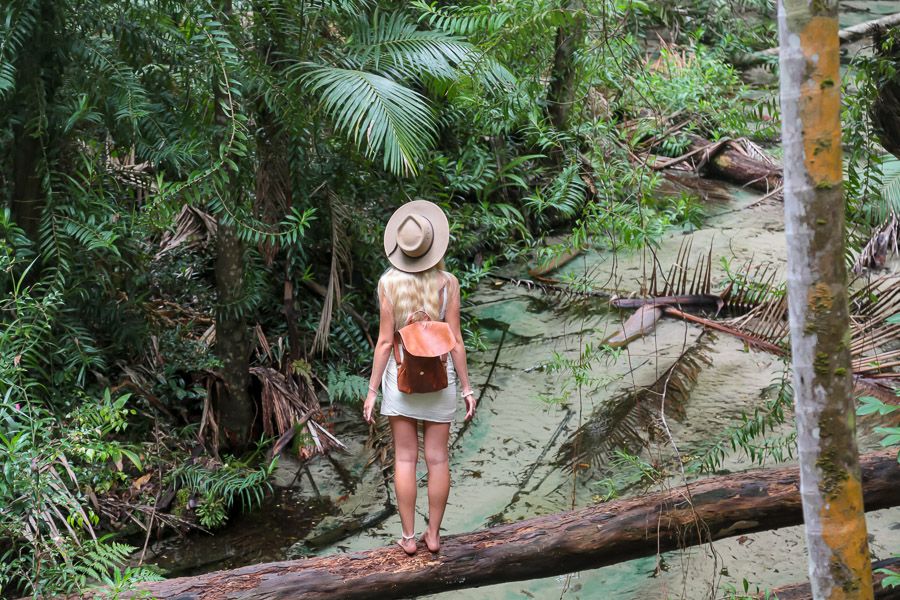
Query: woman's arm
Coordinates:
[383,348]
[459,351]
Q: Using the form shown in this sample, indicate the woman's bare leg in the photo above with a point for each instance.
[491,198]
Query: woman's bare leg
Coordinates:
[406,454]
[437,436]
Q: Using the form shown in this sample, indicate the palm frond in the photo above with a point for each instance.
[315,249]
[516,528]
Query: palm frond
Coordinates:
[888,200]
[340,264]
[883,243]
[376,112]
[627,421]
[393,45]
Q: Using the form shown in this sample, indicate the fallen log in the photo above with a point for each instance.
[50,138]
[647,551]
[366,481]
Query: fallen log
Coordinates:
[802,591]
[588,538]
[555,262]
[726,161]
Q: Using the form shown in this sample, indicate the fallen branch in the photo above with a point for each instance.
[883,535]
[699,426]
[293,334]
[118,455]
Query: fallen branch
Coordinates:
[750,339]
[592,537]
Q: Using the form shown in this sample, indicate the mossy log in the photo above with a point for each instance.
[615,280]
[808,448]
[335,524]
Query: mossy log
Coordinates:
[588,538]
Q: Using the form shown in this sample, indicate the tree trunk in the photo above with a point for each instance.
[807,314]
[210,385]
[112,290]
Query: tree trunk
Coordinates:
[563,82]
[38,74]
[588,538]
[27,197]
[839,564]
[232,342]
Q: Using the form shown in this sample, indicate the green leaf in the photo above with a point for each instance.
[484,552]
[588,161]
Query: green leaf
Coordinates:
[375,112]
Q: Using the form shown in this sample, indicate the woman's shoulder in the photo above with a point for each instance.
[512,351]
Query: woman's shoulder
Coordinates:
[451,280]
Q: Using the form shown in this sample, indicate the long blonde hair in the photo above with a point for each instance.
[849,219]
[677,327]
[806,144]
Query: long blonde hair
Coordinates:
[409,292]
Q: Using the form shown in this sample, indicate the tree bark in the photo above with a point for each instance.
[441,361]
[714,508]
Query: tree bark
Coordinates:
[235,407]
[563,80]
[588,538]
[818,312]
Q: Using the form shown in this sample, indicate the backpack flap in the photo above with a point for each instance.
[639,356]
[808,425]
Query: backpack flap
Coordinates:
[427,338]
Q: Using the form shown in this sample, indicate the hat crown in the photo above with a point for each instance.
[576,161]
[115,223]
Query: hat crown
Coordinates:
[415,235]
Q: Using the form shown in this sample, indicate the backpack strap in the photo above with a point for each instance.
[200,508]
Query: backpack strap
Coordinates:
[444,302]
[397,347]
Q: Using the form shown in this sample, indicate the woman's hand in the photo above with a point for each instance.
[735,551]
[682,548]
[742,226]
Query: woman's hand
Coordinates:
[369,407]
[470,405]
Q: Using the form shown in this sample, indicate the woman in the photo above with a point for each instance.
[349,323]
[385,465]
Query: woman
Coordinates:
[415,241]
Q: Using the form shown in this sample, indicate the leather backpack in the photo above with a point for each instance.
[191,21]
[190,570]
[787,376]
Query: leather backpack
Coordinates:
[420,350]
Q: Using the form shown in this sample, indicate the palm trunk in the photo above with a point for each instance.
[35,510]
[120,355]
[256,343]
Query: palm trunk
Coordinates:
[561,93]
[38,74]
[27,197]
[839,564]
[232,343]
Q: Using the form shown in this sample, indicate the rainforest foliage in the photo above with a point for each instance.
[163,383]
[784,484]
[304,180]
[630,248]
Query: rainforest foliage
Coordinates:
[193,195]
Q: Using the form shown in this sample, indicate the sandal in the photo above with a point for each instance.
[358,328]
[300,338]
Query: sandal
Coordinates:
[406,538]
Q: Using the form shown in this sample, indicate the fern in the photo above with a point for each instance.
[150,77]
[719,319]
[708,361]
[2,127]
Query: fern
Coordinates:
[743,436]
[346,388]
[221,487]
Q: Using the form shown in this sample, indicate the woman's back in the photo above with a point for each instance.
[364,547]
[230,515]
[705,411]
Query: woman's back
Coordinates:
[407,293]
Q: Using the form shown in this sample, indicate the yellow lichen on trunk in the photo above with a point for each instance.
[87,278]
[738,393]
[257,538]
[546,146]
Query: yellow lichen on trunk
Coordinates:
[820,107]
[843,529]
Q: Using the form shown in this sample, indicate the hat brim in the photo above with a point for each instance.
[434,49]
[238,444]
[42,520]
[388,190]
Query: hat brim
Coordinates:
[440,240]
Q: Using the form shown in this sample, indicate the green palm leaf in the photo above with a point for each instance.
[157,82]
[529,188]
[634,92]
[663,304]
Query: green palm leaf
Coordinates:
[393,45]
[376,113]
[890,189]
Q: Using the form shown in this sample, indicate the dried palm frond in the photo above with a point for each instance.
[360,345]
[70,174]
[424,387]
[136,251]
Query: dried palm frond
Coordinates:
[883,243]
[288,403]
[629,420]
[340,264]
[874,349]
[681,278]
[193,228]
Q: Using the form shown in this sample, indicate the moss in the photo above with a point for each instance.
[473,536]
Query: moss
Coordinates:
[832,474]
[822,363]
[826,83]
[182,497]
[840,372]
[824,185]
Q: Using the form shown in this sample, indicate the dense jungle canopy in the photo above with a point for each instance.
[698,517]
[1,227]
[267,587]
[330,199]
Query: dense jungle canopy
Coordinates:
[193,201]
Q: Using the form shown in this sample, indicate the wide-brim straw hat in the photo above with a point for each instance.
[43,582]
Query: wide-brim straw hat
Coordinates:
[416,236]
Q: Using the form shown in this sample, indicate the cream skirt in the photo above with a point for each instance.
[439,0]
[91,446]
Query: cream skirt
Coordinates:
[437,406]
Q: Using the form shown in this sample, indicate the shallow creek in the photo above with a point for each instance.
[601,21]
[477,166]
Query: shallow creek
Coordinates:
[505,465]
